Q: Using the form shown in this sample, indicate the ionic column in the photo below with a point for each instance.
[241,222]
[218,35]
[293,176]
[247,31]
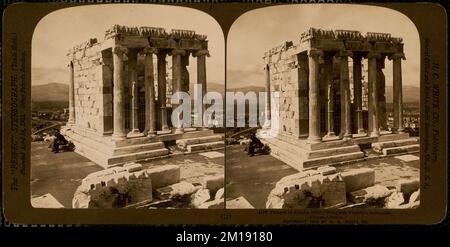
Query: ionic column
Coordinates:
[398,94]
[314,109]
[162,88]
[381,98]
[149,86]
[346,132]
[177,79]
[201,73]
[357,92]
[330,95]
[118,94]
[268,109]
[71,94]
[373,95]
[132,60]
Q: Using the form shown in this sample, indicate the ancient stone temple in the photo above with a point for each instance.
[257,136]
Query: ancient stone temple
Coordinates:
[314,118]
[118,94]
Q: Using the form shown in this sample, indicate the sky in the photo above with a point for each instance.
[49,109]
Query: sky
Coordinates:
[59,31]
[257,31]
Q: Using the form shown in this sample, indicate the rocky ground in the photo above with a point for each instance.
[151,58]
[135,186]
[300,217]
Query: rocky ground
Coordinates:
[60,174]
[253,178]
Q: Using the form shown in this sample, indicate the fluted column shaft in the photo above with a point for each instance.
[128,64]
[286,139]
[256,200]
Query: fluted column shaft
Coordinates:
[162,85]
[118,94]
[345,95]
[177,79]
[330,95]
[357,92]
[71,94]
[373,95]
[314,109]
[201,74]
[398,94]
[149,85]
[132,60]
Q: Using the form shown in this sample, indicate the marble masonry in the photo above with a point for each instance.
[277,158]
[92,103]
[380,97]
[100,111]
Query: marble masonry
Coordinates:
[316,118]
[119,94]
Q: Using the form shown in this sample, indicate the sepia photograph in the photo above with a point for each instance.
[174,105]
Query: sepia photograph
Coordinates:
[104,84]
[340,124]
[232,114]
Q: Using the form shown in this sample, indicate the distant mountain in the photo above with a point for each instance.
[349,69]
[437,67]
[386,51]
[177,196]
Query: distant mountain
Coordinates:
[411,94]
[52,92]
[211,87]
[245,89]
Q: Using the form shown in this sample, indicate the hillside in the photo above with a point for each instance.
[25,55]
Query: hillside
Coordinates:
[411,94]
[52,92]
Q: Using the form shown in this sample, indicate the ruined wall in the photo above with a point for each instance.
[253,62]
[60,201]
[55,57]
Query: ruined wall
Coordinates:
[289,77]
[93,87]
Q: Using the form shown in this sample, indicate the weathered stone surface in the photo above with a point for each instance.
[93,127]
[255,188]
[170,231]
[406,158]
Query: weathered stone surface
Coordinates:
[175,190]
[238,203]
[113,190]
[213,183]
[415,197]
[200,197]
[162,176]
[215,204]
[407,186]
[394,200]
[303,191]
[326,170]
[370,194]
[219,194]
[357,179]
[132,167]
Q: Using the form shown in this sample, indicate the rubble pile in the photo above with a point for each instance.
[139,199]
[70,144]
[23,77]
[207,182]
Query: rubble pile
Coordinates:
[327,188]
[133,186]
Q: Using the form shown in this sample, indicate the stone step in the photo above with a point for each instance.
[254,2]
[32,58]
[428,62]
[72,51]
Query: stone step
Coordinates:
[208,146]
[283,147]
[138,148]
[132,141]
[401,149]
[379,146]
[139,156]
[183,143]
[393,137]
[334,159]
[332,151]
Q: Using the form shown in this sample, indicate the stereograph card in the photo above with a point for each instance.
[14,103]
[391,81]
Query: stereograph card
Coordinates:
[241,113]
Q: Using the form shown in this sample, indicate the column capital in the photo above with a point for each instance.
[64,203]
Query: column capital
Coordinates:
[200,53]
[120,50]
[397,55]
[315,54]
[149,50]
[179,52]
